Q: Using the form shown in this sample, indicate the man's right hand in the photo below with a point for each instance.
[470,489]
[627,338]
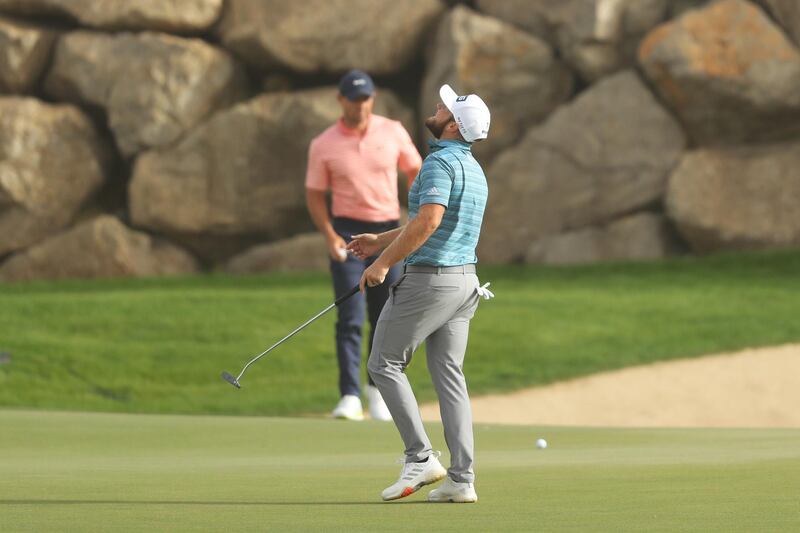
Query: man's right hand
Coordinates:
[364,245]
[337,249]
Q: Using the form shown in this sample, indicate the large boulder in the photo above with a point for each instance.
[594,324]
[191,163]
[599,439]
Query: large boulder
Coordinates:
[606,154]
[153,87]
[240,177]
[596,37]
[379,36]
[531,17]
[787,13]
[176,16]
[24,52]
[516,74]
[51,161]
[306,252]
[728,72]
[643,236]
[737,198]
[102,247]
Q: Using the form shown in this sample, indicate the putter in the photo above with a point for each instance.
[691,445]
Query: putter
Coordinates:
[235,380]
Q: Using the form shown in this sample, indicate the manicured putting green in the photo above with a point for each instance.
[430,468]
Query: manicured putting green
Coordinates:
[117,472]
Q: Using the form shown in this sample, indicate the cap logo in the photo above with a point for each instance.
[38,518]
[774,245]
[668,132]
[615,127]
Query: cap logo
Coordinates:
[359,82]
[461,98]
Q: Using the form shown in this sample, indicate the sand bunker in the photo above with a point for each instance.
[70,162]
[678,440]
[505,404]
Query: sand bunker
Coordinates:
[751,388]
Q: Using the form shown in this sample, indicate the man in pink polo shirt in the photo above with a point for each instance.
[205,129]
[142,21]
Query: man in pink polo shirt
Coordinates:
[356,159]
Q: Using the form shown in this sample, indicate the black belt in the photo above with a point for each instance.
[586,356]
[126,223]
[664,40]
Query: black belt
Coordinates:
[427,269]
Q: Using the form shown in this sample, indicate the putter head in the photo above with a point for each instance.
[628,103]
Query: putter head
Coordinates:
[230,379]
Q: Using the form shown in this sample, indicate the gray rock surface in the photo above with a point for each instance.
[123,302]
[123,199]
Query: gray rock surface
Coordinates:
[192,118]
[51,162]
[24,52]
[242,173]
[643,236]
[305,252]
[177,16]
[596,37]
[379,36]
[516,74]
[153,87]
[728,72]
[787,12]
[102,247]
[606,154]
[737,198]
[531,17]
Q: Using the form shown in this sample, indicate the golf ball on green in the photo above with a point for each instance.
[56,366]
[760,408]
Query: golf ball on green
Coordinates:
[541,444]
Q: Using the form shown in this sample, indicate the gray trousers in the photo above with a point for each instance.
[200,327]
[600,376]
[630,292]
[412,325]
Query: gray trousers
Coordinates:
[435,307]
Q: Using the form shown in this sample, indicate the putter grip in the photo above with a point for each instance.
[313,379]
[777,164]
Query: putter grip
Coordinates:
[344,297]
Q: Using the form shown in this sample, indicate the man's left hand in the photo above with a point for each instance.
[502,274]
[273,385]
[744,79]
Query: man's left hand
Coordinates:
[373,275]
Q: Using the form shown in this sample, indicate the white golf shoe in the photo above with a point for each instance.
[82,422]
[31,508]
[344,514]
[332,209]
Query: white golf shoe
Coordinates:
[453,492]
[349,408]
[377,407]
[414,476]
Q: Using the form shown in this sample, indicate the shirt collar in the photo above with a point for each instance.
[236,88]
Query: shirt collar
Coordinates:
[439,144]
[350,131]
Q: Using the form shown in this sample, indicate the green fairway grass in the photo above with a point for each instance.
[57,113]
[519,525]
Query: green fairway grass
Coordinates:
[64,472]
[159,345]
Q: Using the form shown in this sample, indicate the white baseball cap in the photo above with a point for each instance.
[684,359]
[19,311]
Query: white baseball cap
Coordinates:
[470,112]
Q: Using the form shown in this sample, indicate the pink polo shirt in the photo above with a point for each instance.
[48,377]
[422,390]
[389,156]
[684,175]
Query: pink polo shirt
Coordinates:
[361,170]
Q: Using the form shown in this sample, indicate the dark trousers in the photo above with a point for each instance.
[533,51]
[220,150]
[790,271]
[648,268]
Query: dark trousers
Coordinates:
[351,312]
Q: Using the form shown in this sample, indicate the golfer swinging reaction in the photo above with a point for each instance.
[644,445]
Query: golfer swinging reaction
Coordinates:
[434,299]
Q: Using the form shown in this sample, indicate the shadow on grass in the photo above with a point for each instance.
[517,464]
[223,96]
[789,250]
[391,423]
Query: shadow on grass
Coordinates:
[174,502]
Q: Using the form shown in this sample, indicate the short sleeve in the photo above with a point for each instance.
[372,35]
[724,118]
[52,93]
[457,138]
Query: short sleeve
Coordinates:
[409,159]
[317,175]
[435,182]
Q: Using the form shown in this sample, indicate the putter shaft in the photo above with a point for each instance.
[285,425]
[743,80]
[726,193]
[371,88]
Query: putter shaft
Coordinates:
[235,381]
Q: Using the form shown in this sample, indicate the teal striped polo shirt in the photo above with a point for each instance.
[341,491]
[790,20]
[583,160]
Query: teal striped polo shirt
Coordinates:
[451,177]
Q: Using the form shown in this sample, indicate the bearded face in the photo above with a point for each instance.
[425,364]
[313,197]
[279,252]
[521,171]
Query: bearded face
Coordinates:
[439,121]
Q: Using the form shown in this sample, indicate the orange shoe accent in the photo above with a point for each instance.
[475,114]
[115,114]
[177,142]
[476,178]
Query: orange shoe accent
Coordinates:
[407,491]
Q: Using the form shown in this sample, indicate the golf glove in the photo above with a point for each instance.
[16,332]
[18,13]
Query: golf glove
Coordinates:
[485,292]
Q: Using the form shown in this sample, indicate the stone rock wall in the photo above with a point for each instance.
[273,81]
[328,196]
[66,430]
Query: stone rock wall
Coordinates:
[165,136]
[52,159]
[380,36]
[787,13]
[177,16]
[516,74]
[737,198]
[101,247]
[607,153]
[728,72]
[24,52]
[152,87]
[306,251]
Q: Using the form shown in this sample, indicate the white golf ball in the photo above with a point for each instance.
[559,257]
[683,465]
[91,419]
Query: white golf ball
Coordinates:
[541,444]
[342,253]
